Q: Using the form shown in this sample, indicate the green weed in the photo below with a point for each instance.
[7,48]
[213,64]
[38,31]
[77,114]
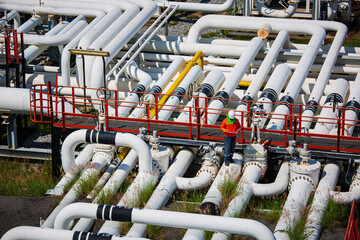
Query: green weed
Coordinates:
[153,231]
[336,215]
[23,178]
[228,189]
[85,185]
[189,200]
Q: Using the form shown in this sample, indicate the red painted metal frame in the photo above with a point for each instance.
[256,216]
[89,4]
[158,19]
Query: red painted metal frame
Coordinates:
[352,231]
[14,45]
[41,98]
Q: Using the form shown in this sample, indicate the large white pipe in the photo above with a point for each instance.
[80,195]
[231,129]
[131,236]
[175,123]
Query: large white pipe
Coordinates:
[352,111]
[118,42]
[36,233]
[8,17]
[192,6]
[79,163]
[277,187]
[213,198]
[165,78]
[99,160]
[30,24]
[316,214]
[144,82]
[353,193]
[326,69]
[230,84]
[164,218]
[206,90]
[34,51]
[166,187]
[78,24]
[269,12]
[118,139]
[296,200]
[251,175]
[170,105]
[326,121]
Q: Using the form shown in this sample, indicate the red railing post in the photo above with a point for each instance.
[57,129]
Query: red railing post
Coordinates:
[206,112]
[148,116]
[300,118]
[190,123]
[338,135]
[242,128]
[156,106]
[63,114]
[295,127]
[285,131]
[198,117]
[116,103]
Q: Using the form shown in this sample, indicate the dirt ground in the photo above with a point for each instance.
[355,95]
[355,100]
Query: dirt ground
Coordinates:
[28,211]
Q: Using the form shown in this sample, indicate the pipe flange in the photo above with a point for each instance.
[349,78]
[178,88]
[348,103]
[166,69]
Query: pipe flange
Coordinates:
[354,185]
[302,177]
[213,162]
[259,165]
[107,156]
[209,170]
[157,169]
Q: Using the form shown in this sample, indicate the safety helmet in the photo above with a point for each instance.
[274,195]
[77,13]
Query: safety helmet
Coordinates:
[231,114]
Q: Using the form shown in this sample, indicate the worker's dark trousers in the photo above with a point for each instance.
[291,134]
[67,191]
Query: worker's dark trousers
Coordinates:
[229,150]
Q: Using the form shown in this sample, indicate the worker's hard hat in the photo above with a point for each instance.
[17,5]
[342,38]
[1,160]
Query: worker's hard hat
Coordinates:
[231,114]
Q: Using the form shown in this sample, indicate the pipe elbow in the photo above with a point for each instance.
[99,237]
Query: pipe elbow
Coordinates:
[202,180]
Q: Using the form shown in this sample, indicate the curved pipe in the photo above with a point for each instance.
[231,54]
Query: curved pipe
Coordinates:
[277,187]
[268,12]
[30,233]
[316,214]
[9,16]
[200,181]
[353,193]
[164,218]
[114,138]
[144,82]
[204,7]
[30,24]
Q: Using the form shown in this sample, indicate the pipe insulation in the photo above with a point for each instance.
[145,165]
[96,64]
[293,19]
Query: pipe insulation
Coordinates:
[230,84]
[36,233]
[353,193]
[8,17]
[277,13]
[194,7]
[166,187]
[113,138]
[328,114]
[156,217]
[32,22]
[316,214]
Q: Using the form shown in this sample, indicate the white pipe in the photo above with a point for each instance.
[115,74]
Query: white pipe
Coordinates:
[296,200]
[213,198]
[118,139]
[119,41]
[165,218]
[270,92]
[100,159]
[230,84]
[268,12]
[36,233]
[166,187]
[277,187]
[353,193]
[203,179]
[111,187]
[338,92]
[251,174]
[326,69]
[34,51]
[352,111]
[165,78]
[316,214]
[30,24]
[332,8]
[192,6]
[80,162]
[144,82]
[9,16]
[78,24]
[207,88]
[170,105]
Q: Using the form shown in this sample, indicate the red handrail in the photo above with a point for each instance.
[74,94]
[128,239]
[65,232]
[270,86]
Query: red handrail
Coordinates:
[352,230]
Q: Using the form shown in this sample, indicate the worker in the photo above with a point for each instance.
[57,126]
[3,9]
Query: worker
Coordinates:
[230,126]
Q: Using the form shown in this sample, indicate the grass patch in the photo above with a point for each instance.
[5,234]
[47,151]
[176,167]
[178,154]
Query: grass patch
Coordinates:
[85,185]
[228,189]
[23,178]
[189,200]
[336,215]
[153,231]
[145,193]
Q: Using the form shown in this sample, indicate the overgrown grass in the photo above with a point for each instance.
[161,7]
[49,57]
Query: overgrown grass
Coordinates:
[336,215]
[228,189]
[85,185]
[298,233]
[153,231]
[23,178]
[112,197]
[145,193]
[189,200]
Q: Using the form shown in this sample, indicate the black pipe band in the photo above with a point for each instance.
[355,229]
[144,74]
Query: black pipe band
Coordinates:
[155,89]
[90,236]
[206,89]
[180,92]
[87,136]
[353,105]
[99,211]
[139,90]
[269,93]
[312,106]
[334,98]
[121,214]
[245,99]
[286,100]
[106,137]
[223,97]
